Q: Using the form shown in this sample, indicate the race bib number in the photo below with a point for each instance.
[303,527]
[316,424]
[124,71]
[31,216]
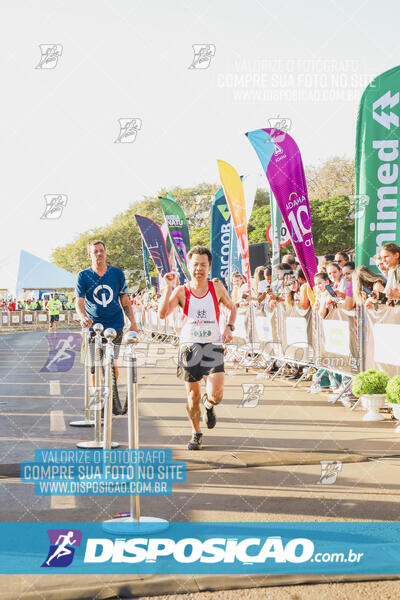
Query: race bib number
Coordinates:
[203,332]
[199,332]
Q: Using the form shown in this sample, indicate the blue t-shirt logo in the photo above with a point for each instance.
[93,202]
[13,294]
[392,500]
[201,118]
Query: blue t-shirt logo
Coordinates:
[102,294]
[104,299]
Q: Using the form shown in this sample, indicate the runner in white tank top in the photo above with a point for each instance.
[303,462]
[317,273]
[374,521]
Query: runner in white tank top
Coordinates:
[201,345]
[201,318]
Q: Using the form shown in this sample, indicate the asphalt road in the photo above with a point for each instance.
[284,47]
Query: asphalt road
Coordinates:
[261,463]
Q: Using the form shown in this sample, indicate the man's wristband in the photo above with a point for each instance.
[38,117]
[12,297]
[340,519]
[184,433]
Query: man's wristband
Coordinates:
[231,327]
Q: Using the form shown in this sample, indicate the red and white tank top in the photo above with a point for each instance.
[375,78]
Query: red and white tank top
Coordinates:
[200,318]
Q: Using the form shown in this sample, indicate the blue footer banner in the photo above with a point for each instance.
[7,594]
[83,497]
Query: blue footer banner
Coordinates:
[151,547]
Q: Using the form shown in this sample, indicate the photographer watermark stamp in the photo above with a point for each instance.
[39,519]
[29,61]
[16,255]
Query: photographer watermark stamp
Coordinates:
[279,126]
[128,129]
[50,53]
[55,204]
[203,54]
[133,279]
[330,469]
[98,397]
[252,393]
[357,206]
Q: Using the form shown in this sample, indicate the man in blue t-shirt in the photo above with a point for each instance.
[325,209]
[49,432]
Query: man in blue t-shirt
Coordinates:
[101,292]
[102,295]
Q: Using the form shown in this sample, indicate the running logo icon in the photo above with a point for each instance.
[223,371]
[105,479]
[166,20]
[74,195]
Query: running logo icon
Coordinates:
[62,547]
[252,393]
[50,53]
[330,469]
[128,129]
[55,204]
[62,348]
[203,54]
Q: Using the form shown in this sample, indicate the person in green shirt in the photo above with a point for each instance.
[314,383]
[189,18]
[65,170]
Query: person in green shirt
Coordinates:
[30,305]
[54,306]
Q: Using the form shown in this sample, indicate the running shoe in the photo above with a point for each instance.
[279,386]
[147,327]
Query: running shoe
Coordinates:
[196,441]
[209,417]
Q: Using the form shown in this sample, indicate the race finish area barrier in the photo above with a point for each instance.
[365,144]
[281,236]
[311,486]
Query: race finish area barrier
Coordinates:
[21,319]
[344,343]
[337,339]
[294,329]
[381,340]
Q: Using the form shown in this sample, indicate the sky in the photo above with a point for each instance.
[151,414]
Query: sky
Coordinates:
[307,63]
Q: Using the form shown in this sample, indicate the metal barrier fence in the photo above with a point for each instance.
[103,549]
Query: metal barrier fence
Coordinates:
[345,342]
[37,318]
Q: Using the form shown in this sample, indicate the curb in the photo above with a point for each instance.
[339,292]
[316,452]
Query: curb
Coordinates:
[83,587]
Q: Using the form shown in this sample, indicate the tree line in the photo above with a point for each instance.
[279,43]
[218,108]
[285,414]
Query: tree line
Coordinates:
[329,187]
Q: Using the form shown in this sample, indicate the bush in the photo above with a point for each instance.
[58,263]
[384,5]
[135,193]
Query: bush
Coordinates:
[370,382]
[393,390]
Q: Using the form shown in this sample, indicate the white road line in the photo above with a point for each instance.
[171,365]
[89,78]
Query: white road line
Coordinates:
[62,501]
[57,422]
[55,388]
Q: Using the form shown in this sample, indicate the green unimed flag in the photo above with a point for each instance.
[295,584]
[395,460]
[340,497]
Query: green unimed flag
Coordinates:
[377,208]
[178,229]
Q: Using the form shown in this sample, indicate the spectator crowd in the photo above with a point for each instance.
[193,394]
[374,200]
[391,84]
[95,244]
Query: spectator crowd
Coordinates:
[337,282]
[13,304]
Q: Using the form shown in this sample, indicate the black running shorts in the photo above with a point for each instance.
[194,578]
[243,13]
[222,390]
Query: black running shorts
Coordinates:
[54,318]
[197,360]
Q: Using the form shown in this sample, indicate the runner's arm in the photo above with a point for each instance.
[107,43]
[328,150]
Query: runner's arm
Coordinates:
[80,309]
[127,308]
[226,301]
[170,299]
